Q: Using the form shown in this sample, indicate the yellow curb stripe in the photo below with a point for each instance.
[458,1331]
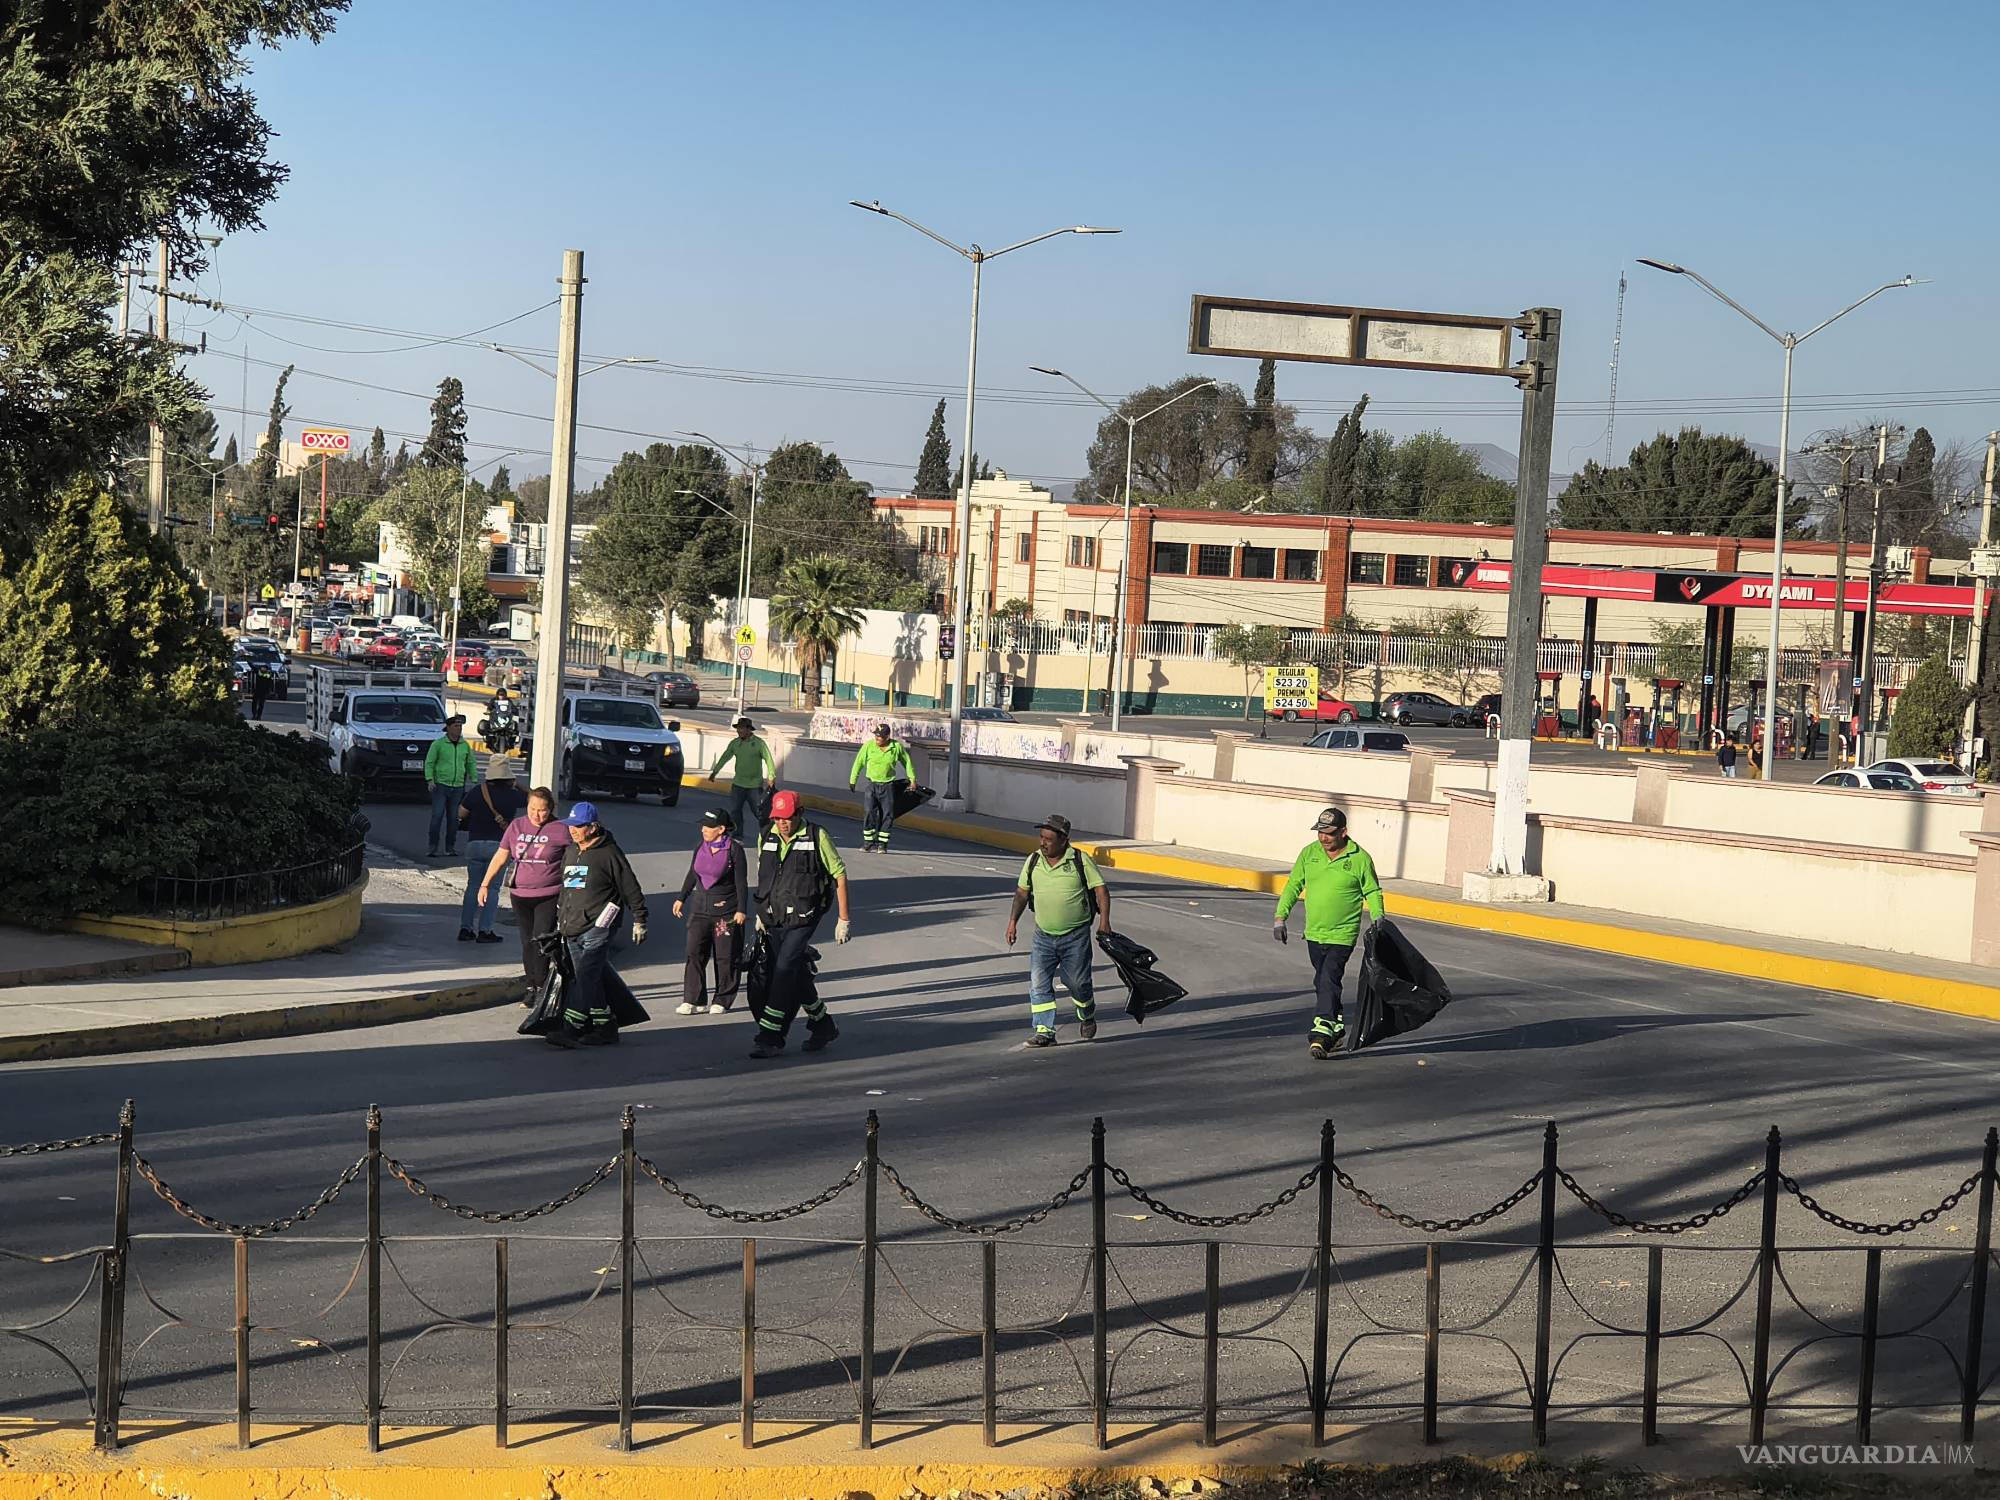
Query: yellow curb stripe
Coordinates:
[257,1025]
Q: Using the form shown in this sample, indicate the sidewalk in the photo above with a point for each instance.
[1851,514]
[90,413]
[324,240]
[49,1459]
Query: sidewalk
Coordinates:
[406,964]
[1962,989]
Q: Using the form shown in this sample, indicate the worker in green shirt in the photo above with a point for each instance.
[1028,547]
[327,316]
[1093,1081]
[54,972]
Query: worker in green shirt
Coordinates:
[751,769]
[1337,878]
[799,878]
[1063,886]
[447,776]
[884,763]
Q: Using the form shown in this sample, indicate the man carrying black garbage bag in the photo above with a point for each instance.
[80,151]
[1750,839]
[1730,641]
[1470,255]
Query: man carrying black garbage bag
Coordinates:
[599,891]
[1337,878]
[800,876]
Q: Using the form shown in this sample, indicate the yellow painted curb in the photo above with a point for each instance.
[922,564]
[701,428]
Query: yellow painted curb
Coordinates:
[257,1025]
[1955,996]
[284,933]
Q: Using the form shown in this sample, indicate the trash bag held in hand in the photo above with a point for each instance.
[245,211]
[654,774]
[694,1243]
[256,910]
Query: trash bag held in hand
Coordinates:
[908,797]
[1398,990]
[1150,989]
[546,1015]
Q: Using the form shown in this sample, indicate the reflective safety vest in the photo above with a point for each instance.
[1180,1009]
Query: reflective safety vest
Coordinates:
[794,887]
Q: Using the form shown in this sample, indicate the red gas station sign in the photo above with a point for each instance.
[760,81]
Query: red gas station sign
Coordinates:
[1731,590]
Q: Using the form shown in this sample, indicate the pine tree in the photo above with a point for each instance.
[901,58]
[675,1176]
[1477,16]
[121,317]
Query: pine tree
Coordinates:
[935,480]
[1337,487]
[377,462]
[501,485]
[1911,513]
[980,469]
[229,452]
[263,486]
[1261,464]
[444,448]
[1929,712]
[399,467]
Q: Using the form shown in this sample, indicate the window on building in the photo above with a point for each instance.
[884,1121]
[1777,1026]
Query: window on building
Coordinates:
[1170,557]
[1260,562]
[1024,548]
[1365,567]
[1301,567]
[1211,561]
[1413,572]
[1083,552]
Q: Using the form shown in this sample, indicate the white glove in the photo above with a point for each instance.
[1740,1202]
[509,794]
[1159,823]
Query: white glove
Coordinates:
[638,932]
[841,930]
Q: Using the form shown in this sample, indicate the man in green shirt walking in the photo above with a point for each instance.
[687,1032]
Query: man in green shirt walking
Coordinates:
[883,763]
[1061,883]
[448,775]
[751,769]
[1338,880]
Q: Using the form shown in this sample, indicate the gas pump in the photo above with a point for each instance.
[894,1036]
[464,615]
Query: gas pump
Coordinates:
[1666,714]
[1548,705]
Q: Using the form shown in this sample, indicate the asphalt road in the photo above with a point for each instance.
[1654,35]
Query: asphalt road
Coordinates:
[1663,1083]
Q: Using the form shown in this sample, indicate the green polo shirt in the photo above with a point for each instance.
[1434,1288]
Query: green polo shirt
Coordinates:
[1336,889]
[1061,891]
[749,761]
[890,762]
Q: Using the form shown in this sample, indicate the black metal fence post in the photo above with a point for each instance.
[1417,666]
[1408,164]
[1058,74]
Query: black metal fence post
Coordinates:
[1322,1282]
[1100,1392]
[1545,1268]
[1767,1265]
[113,1272]
[747,1418]
[1871,1325]
[242,1342]
[1650,1399]
[1433,1275]
[989,1340]
[870,1241]
[628,1183]
[500,1318]
[1982,1255]
[373,1255]
[1211,1336]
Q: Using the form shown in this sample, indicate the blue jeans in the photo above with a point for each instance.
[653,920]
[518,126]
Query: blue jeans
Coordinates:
[445,801]
[1068,954]
[478,855]
[744,796]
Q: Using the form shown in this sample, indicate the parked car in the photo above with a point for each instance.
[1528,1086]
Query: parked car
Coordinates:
[1424,708]
[1874,781]
[507,666]
[1930,775]
[422,656]
[387,648]
[677,689]
[1331,710]
[354,642]
[322,628]
[988,716]
[1486,708]
[1387,741]
[617,744]
[468,659]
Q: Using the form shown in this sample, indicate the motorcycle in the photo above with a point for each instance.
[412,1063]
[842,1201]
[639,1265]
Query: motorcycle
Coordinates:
[501,730]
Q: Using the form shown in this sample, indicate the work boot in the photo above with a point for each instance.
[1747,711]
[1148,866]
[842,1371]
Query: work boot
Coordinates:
[560,1037]
[1087,1030]
[599,1036]
[1320,1049]
[1042,1039]
[767,1046]
[818,1034]
[465,934]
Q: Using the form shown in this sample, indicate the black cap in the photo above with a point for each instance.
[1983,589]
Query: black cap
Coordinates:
[1330,817]
[883,730]
[715,817]
[1055,823]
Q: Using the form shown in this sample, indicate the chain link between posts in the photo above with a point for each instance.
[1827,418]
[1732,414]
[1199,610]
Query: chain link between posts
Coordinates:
[1899,1226]
[1213,1221]
[75,1143]
[969,1226]
[751,1216]
[436,1199]
[1672,1226]
[269,1227]
[1436,1226]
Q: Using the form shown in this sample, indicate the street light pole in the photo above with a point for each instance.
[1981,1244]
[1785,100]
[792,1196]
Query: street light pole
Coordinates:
[739,672]
[1123,669]
[1789,342]
[551,648]
[953,801]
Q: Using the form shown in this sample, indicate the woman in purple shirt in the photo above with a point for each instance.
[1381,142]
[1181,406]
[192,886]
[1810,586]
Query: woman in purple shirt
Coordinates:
[537,843]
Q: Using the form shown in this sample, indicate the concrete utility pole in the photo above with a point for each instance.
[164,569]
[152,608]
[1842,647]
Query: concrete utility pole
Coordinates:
[1840,632]
[550,649]
[1524,594]
[1974,651]
[1864,674]
[156,449]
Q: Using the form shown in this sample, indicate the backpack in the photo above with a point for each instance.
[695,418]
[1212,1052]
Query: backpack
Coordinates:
[1029,886]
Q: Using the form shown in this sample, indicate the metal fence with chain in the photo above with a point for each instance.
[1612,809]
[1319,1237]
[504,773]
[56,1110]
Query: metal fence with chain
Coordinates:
[969,1226]
[1888,1227]
[1673,1226]
[259,1231]
[74,1143]
[694,1201]
[436,1199]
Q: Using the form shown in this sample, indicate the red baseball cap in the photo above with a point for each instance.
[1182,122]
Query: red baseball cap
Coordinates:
[784,804]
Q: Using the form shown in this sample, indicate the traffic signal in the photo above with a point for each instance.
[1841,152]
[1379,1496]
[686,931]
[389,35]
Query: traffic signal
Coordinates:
[319,530]
[270,525]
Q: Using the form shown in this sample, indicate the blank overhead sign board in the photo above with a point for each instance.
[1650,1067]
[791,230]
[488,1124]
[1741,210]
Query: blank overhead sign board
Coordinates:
[1323,334]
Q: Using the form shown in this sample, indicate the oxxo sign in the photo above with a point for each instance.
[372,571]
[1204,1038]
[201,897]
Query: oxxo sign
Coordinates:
[1291,689]
[324,440]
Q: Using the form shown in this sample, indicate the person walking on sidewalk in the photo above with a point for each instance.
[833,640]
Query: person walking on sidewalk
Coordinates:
[599,891]
[1062,886]
[538,845]
[1725,757]
[715,902]
[751,770]
[486,814]
[1337,878]
[884,763]
[448,774]
[799,876]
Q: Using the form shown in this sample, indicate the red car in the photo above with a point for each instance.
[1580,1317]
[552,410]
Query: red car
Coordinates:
[469,661]
[1331,710]
[384,648]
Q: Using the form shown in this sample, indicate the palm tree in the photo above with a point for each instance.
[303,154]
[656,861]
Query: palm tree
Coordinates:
[816,603]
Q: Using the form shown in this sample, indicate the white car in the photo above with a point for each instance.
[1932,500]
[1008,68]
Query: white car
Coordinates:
[1872,780]
[1929,775]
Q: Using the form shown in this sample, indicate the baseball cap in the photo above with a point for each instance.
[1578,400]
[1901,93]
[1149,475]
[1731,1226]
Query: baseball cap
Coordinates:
[715,817]
[581,814]
[784,804]
[1055,823]
[883,730]
[1329,817]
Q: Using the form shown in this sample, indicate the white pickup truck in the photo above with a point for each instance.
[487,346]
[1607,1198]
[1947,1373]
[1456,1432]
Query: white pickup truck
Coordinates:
[375,725]
[612,740]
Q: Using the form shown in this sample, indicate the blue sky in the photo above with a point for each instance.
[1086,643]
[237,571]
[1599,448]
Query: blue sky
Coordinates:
[1463,157]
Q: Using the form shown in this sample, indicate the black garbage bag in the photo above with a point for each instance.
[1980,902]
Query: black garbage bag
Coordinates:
[1151,990]
[1398,990]
[908,797]
[757,977]
[546,1014]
